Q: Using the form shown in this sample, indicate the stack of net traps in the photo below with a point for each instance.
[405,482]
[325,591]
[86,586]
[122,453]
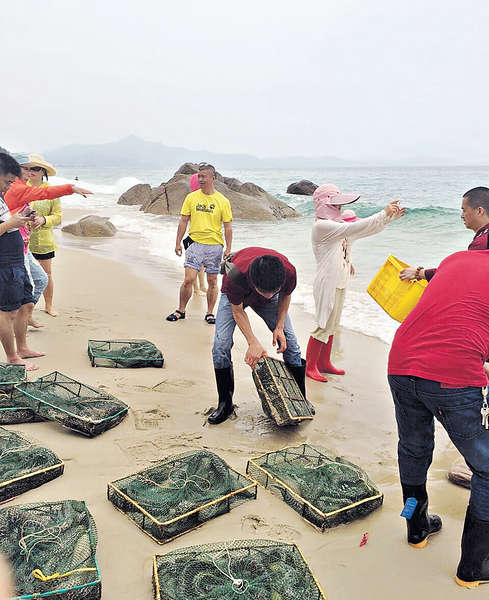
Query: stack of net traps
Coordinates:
[279,393]
[124,354]
[56,397]
[180,493]
[248,569]
[51,548]
[24,465]
[324,489]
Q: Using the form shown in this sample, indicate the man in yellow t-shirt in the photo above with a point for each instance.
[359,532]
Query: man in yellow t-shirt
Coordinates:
[207,210]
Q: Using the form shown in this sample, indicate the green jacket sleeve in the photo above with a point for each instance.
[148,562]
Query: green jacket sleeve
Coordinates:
[54,218]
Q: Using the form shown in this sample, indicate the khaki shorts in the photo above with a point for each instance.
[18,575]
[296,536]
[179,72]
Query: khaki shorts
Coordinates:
[322,334]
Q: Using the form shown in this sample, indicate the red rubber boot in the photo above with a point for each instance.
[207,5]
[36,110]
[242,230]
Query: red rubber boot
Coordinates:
[314,348]
[324,364]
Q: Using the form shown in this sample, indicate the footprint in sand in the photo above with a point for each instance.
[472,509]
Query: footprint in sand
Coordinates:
[251,524]
[149,419]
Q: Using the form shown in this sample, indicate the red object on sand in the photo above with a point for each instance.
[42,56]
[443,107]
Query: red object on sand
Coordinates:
[364,539]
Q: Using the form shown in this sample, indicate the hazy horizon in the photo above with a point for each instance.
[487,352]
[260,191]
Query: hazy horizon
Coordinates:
[359,81]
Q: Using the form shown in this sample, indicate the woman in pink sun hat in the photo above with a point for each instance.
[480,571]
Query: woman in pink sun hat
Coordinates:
[332,236]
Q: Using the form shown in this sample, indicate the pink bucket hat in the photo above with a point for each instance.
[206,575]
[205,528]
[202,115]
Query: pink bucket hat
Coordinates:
[194,182]
[326,198]
[349,216]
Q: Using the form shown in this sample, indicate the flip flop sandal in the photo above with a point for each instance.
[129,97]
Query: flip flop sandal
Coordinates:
[210,318]
[174,317]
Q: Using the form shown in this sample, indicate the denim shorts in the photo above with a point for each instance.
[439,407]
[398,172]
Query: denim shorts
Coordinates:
[209,255]
[15,288]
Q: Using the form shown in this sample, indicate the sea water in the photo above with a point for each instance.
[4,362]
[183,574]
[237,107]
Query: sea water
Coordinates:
[430,230]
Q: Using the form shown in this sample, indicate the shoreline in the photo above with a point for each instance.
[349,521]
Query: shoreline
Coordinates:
[100,297]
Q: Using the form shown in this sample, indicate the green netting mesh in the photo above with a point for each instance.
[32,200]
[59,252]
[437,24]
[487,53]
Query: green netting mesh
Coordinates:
[124,353]
[56,397]
[279,393]
[55,541]
[325,489]
[24,465]
[13,408]
[10,375]
[180,493]
[247,569]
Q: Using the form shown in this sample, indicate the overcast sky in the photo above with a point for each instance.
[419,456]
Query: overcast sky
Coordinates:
[357,79]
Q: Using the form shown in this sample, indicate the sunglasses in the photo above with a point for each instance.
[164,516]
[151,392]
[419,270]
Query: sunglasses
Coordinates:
[204,166]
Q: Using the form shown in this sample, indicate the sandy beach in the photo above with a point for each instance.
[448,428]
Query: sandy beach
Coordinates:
[102,298]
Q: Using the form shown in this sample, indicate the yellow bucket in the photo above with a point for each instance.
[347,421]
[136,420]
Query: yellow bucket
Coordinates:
[395,296]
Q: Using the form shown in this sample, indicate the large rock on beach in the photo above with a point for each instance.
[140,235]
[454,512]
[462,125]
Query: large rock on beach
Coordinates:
[248,200]
[460,474]
[138,194]
[91,226]
[304,187]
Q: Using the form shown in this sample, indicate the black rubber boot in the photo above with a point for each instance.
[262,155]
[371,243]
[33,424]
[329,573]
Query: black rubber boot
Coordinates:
[299,374]
[225,389]
[473,567]
[421,525]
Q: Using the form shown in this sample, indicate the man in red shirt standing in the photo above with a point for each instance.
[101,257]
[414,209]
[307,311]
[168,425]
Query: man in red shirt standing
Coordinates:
[436,369]
[475,215]
[263,280]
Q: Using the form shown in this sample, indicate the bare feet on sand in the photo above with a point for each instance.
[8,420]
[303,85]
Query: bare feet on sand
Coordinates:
[28,365]
[35,324]
[51,311]
[28,353]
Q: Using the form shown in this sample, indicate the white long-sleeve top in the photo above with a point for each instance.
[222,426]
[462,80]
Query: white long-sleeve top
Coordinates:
[327,245]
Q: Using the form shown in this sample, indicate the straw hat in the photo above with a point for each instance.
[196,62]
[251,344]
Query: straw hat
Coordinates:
[36,160]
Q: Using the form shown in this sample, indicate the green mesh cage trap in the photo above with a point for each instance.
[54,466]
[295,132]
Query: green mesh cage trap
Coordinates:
[10,375]
[324,489]
[24,465]
[279,393]
[51,547]
[180,493]
[124,354]
[13,409]
[246,569]
[56,397]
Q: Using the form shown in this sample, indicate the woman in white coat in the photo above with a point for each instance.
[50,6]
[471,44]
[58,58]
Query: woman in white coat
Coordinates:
[331,242]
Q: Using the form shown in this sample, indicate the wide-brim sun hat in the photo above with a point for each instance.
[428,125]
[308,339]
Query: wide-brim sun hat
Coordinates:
[327,200]
[36,160]
[330,194]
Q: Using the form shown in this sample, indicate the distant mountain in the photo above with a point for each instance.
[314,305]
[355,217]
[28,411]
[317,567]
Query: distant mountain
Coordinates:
[135,152]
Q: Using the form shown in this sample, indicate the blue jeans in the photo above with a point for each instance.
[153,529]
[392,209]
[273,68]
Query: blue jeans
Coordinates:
[37,276]
[417,401]
[225,324]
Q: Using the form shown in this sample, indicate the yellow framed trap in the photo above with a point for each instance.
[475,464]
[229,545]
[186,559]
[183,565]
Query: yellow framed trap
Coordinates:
[396,296]
[324,489]
[180,493]
[51,547]
[24,465]
[279,393]
[247,569]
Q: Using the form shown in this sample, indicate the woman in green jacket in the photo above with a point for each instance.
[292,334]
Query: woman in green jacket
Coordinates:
[42,242]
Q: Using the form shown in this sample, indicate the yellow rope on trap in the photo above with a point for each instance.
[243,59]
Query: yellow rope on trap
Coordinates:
[38,574]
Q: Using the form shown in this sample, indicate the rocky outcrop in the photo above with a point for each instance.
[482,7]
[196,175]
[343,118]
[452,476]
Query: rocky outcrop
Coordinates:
[304,187]
[138,194]
[248,200]
[91,226]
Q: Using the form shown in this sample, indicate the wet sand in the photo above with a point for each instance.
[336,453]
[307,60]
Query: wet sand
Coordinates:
[100,298]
